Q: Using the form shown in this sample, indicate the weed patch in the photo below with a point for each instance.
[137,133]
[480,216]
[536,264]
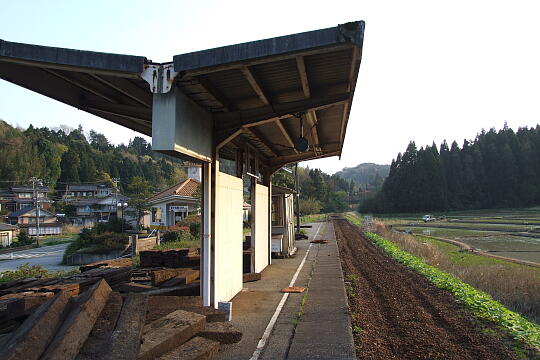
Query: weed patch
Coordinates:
[30,271]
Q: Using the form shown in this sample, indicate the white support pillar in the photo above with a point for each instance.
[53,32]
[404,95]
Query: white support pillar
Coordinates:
[206,248]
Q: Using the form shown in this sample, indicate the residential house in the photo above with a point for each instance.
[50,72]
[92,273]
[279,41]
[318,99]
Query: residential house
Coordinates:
[171,205]
[91,191]
[20,197]
[93,202]
[27,218]
[98,209]
[7,233]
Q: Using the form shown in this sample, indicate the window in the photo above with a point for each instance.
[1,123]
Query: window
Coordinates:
[277,211]
[156,215]
[25,195]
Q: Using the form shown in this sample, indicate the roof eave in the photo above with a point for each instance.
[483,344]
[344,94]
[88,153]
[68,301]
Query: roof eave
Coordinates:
[82,59]
[351,33]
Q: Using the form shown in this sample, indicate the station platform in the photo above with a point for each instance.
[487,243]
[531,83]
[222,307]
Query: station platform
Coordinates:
[310,325]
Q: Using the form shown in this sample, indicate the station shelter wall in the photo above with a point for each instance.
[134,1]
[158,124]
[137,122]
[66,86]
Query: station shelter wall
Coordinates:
[261,227]
[228,237]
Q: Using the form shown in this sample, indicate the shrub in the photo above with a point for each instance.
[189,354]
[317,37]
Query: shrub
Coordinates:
[24,239]
[96,241]
[193,222]
[174,236]
[28,271]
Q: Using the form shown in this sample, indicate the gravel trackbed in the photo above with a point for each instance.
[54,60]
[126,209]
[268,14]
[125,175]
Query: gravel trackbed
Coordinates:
[397,314]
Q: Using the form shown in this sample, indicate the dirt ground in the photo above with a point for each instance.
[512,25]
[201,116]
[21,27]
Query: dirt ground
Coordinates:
[397,314]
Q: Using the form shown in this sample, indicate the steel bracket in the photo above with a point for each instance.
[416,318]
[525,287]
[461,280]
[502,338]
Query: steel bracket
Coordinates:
[160,77]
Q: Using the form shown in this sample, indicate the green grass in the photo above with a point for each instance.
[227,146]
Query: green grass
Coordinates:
[464,258]
[178,244]
[312,218]
[478,302]
[445,233]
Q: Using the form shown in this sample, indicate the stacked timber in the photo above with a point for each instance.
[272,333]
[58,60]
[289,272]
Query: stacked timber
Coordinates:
[102,324]
[74,284]
[174,258]
[113,263]
[164,281]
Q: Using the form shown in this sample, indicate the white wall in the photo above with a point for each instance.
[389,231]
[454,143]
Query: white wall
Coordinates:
[228,237]
[6,238]
[261,227]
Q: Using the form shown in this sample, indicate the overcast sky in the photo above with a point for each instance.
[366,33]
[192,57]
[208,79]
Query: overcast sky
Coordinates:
[430,70]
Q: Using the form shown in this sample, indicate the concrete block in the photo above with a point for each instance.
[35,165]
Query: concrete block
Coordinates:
[224,332]
[126,337]
[79,321]
[30,340]
[165,334]
[197,348]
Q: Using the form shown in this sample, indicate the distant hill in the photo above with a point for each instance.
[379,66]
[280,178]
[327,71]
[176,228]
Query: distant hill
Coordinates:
[364,173]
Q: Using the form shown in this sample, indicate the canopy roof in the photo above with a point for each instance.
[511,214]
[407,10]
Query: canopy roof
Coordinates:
[256,91]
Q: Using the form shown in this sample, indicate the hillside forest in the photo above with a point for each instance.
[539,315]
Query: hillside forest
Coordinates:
[498,169]
[65,155]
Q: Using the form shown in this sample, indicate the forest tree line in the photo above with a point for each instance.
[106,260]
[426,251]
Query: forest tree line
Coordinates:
[65,155]
[495,170]
[319,191]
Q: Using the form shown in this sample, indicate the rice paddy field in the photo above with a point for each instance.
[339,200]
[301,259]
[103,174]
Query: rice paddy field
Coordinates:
[510,233]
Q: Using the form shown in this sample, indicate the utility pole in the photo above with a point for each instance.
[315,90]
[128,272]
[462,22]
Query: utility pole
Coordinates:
[115,207]
[36,204]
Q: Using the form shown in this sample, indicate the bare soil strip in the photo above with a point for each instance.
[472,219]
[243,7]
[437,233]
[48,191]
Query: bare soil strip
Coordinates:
[398,314]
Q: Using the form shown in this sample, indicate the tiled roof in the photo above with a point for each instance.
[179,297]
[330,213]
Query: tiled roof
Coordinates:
[187,188]
[20,212]
[4,227]
[28,209]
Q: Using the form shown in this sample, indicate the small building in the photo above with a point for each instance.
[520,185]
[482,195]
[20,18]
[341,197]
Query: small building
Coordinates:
[91,211]
[171,205]
[283,236]
[7,232]
[27,219]
[19,197]
[85,191]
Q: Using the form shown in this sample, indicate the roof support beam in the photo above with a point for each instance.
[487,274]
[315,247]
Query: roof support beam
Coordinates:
[286,135]
[266,145]
[81,85]
[226,138]
[281,161]
[277,111]
[215,93]
[255,85]
[119,109]
[129,117]
[311,119]
[127,89]
[303,76]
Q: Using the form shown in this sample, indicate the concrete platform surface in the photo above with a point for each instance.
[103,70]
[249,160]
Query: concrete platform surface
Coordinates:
[311,325]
